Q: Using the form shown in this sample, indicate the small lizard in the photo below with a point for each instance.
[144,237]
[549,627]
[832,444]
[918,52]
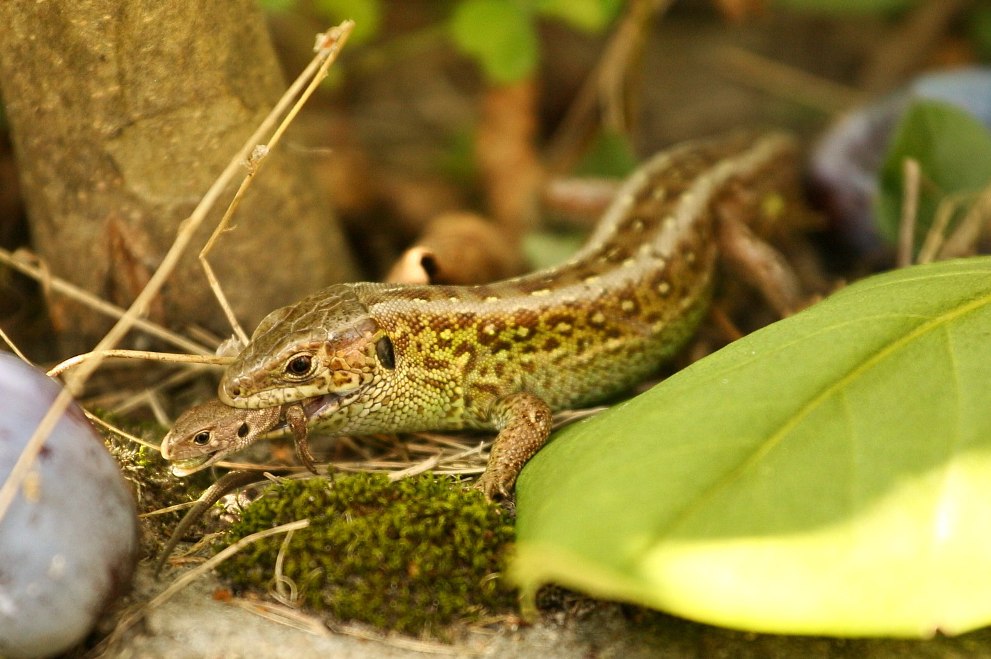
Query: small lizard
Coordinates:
[369,358]
[206,433]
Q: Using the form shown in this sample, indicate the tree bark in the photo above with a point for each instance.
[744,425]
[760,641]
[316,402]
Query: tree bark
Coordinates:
[122,115]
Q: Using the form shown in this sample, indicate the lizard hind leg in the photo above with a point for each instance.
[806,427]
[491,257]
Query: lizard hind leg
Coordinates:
[524,423]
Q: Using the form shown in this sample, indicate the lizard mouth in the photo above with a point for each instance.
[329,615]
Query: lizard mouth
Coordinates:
[321,407]
[189,466]
[315,409]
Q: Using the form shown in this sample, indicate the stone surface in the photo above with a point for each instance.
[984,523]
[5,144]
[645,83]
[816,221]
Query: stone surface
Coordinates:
[68,542]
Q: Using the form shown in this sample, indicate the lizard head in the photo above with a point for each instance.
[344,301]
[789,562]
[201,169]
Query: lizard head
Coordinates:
[326,345]
[206,433]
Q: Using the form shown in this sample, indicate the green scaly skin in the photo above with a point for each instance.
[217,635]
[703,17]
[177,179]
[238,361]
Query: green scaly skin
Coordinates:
[370,358]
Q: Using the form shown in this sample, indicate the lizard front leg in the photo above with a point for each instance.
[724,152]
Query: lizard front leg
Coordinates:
[296,420]
[524,423]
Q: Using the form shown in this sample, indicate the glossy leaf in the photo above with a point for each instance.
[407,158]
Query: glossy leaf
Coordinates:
[829,474]
[953,150]
[500,34]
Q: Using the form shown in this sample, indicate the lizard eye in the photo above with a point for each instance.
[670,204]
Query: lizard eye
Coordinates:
[202,438]
[385,352]
[242,430]
[299,365]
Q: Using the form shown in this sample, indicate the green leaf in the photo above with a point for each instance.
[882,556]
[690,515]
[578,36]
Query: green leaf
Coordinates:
[588,15]
[276,6]
[829,474]
[611,154]
[498,33]
[544,249]
[954,154]
[366,14]
[979,30]
[846,6]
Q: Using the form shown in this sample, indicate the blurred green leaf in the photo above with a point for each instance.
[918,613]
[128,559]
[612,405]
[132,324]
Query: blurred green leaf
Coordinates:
[611,154]
[954,154]
[979,29]
[846,6]
[500,34]
[829,474]
[277,5]
[366,14]
[544,249]
[458,163]
[588,15]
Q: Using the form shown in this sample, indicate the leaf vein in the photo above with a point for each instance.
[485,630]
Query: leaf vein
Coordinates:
[838,386]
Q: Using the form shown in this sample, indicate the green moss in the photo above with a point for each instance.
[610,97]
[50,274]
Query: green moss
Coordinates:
[150,479]
[411,556]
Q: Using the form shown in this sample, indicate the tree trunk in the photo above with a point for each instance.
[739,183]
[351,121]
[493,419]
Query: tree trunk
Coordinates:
[122,115]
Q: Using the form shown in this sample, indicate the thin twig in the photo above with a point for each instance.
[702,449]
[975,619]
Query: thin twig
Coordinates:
[282,614]
[281,580]
[906,48]
[117,431]
[192,574]
[403,643]
[13,347]
[97,304]
[173,357]
[936,235]
[150,395]
[601,96]
[910,210]
[257,158]
[174,508]
[415,469]
[964,239]
[785,81]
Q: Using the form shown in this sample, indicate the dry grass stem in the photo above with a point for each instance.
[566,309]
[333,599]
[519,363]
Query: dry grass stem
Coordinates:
[191,575]
[18,262]
[455,455]
[168,509]
[284,615]
[963,241]
[603,92]
[330,43]
[782,81]
[122,402]
[910,211]
[567,417]
[918,38]
[402,643]
[936,235]
[282,582]
[117,431]
[101,355]
[415,469]
[13,347]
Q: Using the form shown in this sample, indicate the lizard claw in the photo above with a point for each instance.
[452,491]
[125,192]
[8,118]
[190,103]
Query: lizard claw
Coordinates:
[296,420]
[493,487]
